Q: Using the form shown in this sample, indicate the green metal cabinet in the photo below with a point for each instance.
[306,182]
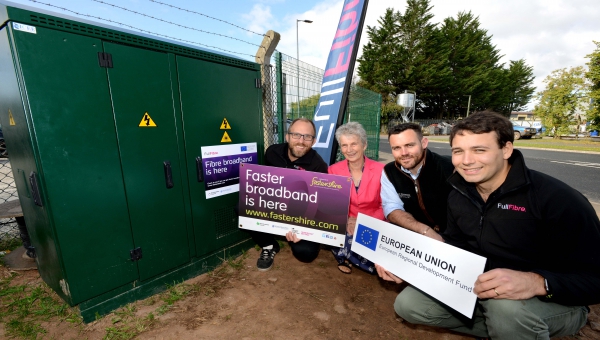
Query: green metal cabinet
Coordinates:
[113,204]
[215,223]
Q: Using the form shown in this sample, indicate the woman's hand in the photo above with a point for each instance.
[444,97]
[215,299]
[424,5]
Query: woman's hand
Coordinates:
[384,274]
[351,225]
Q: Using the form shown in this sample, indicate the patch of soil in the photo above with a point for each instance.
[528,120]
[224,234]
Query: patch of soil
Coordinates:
[293,300]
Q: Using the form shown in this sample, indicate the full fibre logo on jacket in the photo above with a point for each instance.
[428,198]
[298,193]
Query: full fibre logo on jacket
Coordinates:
[367,237]
[511,207]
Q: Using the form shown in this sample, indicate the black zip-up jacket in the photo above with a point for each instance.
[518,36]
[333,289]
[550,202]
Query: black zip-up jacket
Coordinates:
[424,198]
[531,223]
[277,156]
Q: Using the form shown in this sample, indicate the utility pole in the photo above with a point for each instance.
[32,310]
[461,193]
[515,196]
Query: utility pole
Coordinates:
[468,104]
[298,62]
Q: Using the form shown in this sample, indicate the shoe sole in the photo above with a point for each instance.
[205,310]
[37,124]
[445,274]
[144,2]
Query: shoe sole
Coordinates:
[264,269]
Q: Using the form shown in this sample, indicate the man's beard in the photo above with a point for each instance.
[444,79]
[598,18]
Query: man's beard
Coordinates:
[296,153]
[416,159]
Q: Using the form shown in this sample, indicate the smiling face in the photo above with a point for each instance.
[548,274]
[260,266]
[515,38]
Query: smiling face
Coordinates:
[352,148]
[408,150]
[299,147]
[479,159]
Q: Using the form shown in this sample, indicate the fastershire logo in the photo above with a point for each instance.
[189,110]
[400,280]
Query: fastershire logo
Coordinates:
[320,183]
[511,207]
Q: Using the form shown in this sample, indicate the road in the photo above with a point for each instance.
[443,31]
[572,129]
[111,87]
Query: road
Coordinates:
[579,170]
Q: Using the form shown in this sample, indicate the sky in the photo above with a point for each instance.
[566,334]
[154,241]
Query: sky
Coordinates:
[548,34]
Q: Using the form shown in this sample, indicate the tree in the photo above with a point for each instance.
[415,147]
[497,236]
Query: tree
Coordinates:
[421,58]
[376,65]
[307,107]
[442,65]
[519,86]
[474,63]
[563,99]
[390,111]
[593,76]
[404,54]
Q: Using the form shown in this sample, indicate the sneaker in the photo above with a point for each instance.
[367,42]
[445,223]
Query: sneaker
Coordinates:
[265,261]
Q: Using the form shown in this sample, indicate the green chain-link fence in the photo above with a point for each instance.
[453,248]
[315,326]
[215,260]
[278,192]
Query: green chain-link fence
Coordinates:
[9,230]
[292,89]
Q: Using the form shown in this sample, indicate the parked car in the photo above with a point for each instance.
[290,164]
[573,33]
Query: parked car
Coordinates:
[523,132]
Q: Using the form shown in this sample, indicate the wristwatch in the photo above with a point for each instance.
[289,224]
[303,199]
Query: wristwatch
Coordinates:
[548,291]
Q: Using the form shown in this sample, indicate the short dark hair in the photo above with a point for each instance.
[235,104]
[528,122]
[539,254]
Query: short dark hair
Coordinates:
[398,129]
[484,122]
[306,120]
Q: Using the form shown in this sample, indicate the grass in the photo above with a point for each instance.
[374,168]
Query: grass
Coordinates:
[126,324]
[173,294]
[11,243]
[559,144]
[546,143]
[24,308]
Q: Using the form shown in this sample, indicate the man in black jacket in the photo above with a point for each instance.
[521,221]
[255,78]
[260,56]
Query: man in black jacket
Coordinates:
[414,188]
[296,153]
[539,235]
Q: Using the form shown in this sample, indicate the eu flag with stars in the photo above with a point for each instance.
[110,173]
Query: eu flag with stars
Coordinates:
[367,236]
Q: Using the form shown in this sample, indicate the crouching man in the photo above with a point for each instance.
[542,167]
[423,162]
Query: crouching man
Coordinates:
[541,239]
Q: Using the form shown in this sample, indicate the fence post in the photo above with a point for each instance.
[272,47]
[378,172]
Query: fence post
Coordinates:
[279,90]
[263,57]
[378,122]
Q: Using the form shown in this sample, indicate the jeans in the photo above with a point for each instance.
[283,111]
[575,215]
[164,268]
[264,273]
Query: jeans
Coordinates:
[498,319]
[304,251]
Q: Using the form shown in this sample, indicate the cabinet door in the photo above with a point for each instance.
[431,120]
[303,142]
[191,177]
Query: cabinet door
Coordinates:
[72,130]
[211,92]
[142,94]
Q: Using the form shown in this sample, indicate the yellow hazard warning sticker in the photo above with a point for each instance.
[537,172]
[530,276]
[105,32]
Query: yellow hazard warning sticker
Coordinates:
[225,138]
[11,119]
[225,125]
[147,121]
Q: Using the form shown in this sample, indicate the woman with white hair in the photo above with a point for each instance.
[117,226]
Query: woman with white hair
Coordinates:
[365,194]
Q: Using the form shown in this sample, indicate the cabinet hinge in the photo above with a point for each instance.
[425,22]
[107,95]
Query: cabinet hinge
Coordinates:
[105,59]
[136,254]
[257,83]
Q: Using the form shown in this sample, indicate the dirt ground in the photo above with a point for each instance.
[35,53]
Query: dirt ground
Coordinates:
[293,301]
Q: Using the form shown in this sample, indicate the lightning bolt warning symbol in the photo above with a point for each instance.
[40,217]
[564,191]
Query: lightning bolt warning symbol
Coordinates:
[147,121]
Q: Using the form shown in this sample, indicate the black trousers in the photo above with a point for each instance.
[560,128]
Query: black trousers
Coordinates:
[304,251]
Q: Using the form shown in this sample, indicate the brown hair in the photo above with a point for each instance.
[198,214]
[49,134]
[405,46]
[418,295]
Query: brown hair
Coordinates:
[484,122]
[306,120]
[406,126]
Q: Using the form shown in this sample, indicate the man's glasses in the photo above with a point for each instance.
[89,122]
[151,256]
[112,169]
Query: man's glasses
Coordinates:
[307,138]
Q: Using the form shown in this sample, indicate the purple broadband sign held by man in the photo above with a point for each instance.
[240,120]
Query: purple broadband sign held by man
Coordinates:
[277,200]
